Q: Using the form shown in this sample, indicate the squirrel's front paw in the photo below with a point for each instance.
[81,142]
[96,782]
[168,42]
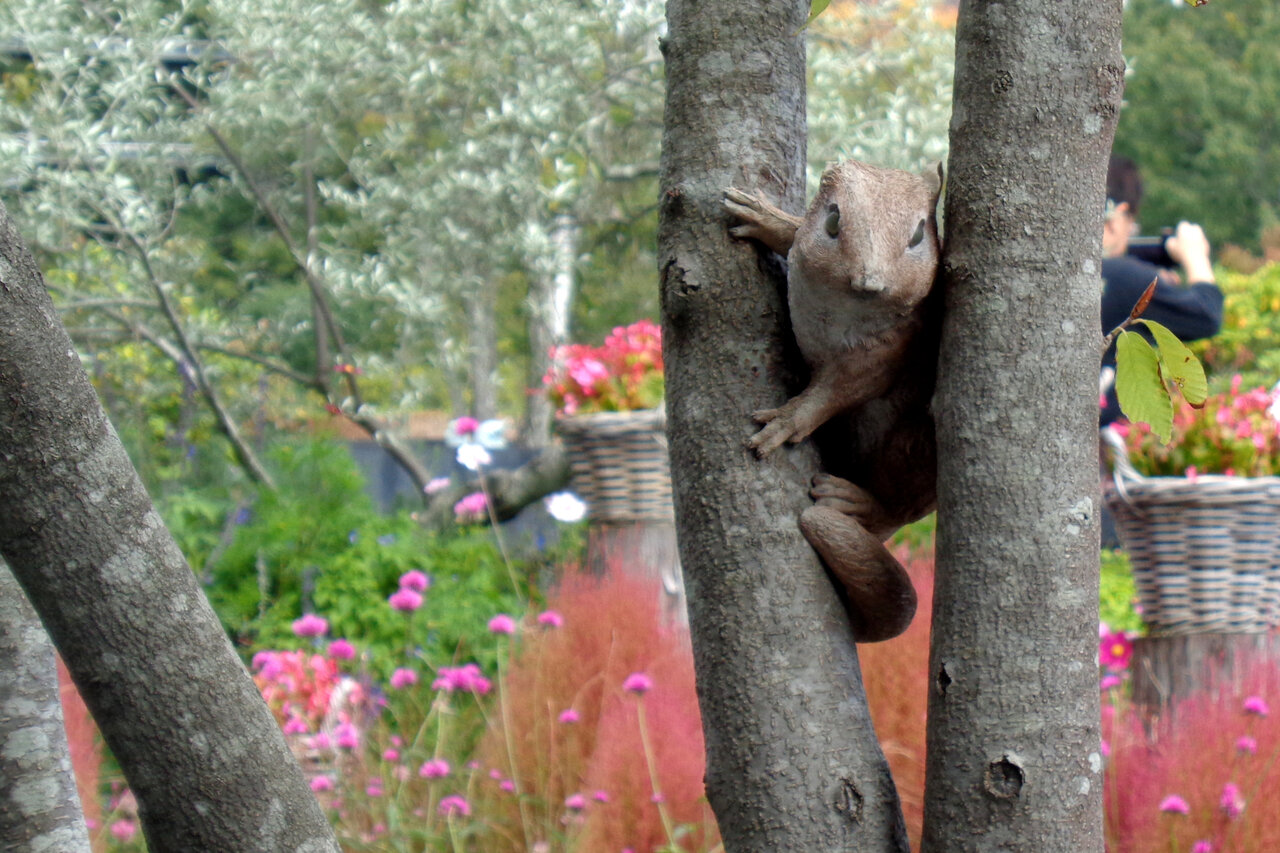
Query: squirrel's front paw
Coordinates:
[785,424]
[761,219]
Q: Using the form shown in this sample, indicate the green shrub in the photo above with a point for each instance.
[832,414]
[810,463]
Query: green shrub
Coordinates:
[1117,593]
[1249,343]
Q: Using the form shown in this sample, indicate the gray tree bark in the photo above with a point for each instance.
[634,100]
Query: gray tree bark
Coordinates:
[1013,743]
[202,753]
[792,760]
[39,803]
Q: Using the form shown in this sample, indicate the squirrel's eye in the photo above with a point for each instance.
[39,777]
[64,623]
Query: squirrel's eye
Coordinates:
[832,223]
[918,236]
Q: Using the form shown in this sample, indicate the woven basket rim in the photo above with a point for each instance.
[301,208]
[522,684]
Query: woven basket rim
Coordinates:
[605,421]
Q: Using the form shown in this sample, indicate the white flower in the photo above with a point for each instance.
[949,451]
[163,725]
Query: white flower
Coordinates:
[566,507]
[473,457]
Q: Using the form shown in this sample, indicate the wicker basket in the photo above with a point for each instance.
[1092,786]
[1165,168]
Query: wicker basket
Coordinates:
[619,464]
[1205,552]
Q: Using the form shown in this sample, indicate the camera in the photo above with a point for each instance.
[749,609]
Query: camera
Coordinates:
[1151,249]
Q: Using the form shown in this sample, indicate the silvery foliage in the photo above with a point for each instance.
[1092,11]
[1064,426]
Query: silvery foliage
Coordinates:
[441,138]
[880,86]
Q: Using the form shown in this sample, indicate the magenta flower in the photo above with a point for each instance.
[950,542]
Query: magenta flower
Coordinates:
[123,830]
[1173,804]
[374,788]
[321,783]
[1115,649]
[405,600]
[403,677]
[465,679]
[466,425]
[311,625]
[319,740]
[576,802]
[502,624]
[1232,802]
[507,785]
[550,619]
[1256,705]
[295,725]
[1202,847]
[471,508]
[569,715]
[341,649]
[390,754]
[454,805]
[415,580]
[346,736]
[600,796]
[1110,681]
[1247,745]
[638,683]
[436,768]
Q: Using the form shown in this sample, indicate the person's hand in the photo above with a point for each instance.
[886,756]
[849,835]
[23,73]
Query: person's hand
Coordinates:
[1190,248]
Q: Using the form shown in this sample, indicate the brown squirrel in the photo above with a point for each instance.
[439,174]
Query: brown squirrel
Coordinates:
[860,271]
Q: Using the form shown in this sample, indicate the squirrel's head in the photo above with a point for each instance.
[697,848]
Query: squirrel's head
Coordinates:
[870,232]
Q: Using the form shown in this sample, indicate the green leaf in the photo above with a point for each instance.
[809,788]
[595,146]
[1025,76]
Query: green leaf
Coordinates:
[1139,388]
[1179,365]
[816,8]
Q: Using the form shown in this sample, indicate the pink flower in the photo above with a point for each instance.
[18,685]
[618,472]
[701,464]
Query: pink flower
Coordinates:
[405,600]
[576,802]
[550,619]
[346,736]
[123,830]
[391,755]
[436,484]
[600,796]
[568,715]
[507,785]
[403,677]
[638,683]
[1193,473]
[502,624]
[415,580]
[319,740]
[310,625]
[436,768]
[454,805]
[295,725]
[1232,802]
[471,508]
[1202,847]
[321,783]
[374,788]
[1115,650]
[1110,681]
[466,679]
[1173,804]
[1256,705]
[466,425]
[1247,745]
[342,649]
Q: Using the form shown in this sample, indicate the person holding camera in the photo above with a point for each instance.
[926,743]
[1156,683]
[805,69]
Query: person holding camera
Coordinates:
[1191,311]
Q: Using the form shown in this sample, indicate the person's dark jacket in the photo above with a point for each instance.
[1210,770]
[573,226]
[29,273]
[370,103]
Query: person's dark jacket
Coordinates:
[1191,312]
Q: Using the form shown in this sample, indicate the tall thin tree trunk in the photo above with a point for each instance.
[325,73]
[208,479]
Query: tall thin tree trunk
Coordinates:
[1013,743]
[39,803]
[550,299]
[200,749]
[482,315]
[792,761]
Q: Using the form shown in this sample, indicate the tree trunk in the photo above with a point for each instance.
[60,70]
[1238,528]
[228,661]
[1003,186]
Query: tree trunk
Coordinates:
[482,316]
[1013,743]
[550,298]
[792,760]
[39,803]
[199,748]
